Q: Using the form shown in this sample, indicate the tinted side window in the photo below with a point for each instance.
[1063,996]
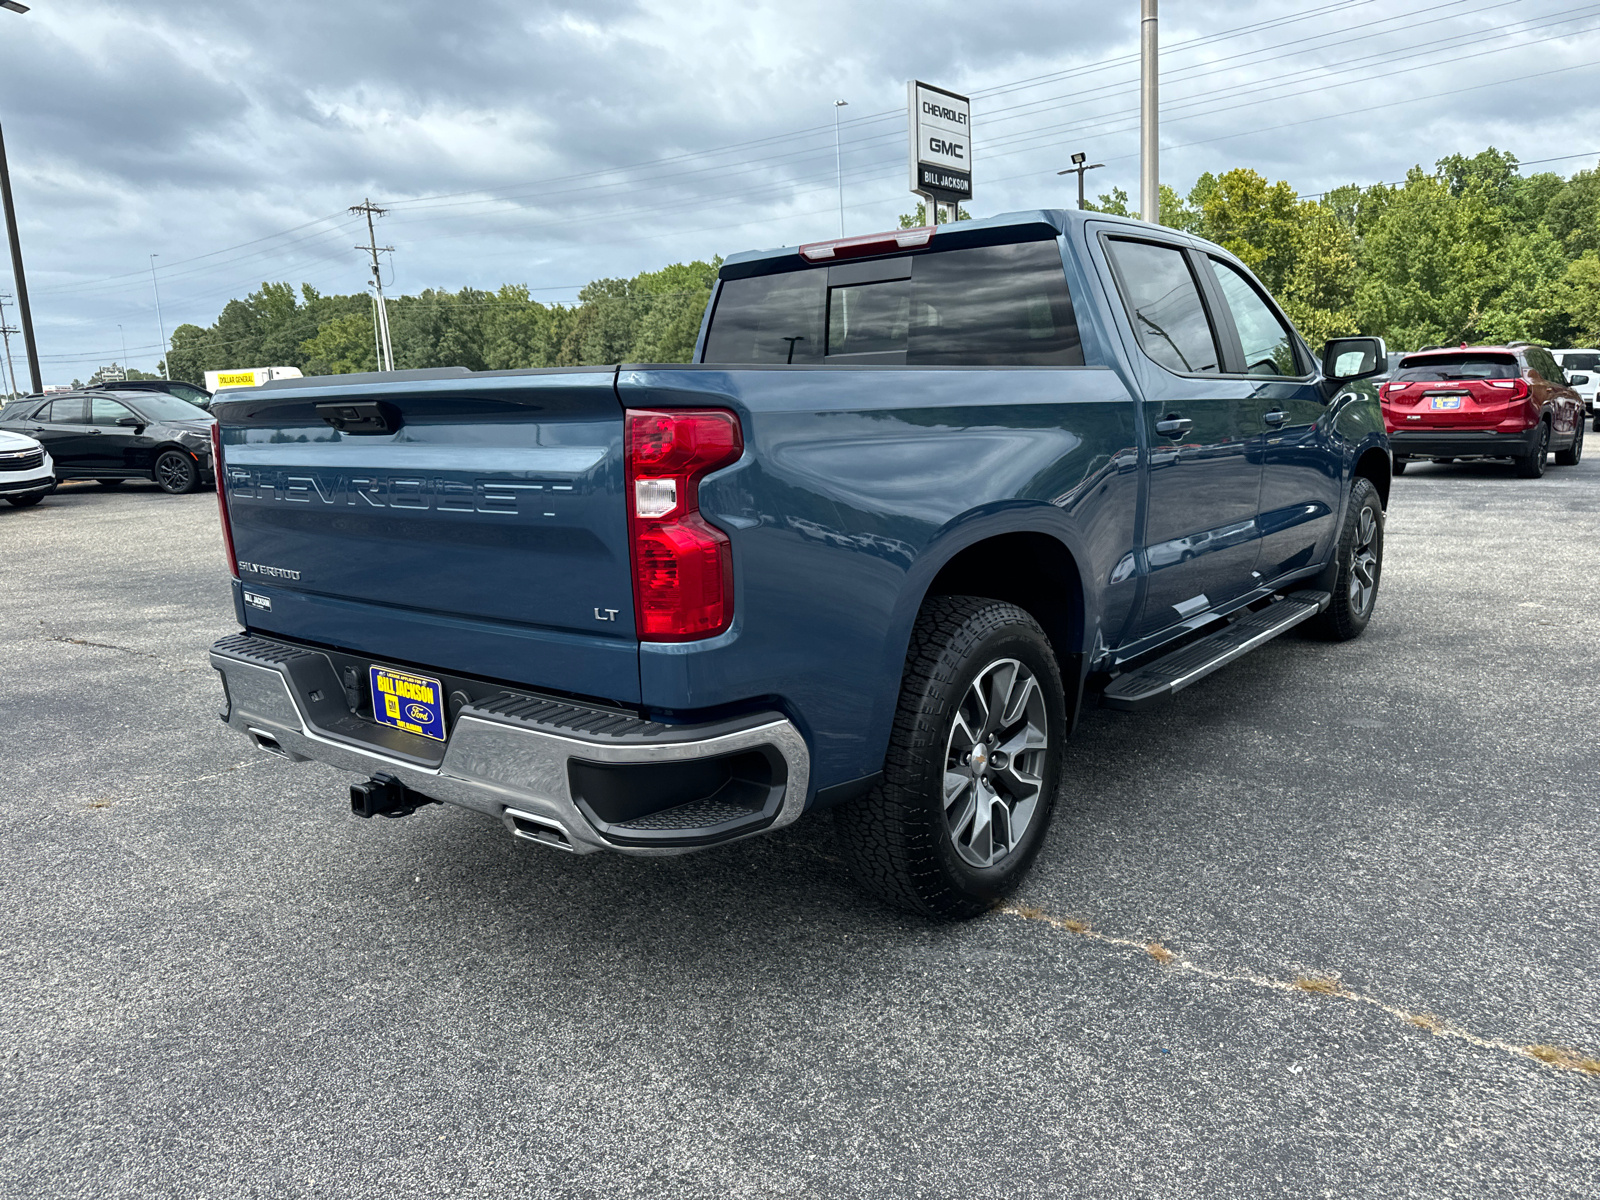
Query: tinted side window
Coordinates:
[1004,306]
[1268,344]
[769,319]
[1448,368]
[104,411]
[69,412]
[1163,302]
[1542,361]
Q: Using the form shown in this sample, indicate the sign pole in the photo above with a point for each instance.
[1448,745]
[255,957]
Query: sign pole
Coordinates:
[23,308]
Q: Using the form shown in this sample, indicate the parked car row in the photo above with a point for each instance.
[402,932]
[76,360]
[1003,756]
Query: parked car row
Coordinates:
[1467,402]
[106,434]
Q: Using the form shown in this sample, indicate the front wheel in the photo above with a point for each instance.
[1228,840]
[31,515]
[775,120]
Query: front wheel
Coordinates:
[1531,464]
[176,473]
[1357,567]
[974,759]
[1573,454]
[27,501]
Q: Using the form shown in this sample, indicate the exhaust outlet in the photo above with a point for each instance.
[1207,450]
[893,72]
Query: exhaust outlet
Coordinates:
[544,830]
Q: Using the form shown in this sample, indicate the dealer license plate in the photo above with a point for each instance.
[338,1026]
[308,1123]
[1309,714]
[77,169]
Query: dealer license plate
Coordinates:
[414,703]
[1447,402]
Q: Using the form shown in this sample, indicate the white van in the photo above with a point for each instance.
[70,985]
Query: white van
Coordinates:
[1584,365]
[246,377]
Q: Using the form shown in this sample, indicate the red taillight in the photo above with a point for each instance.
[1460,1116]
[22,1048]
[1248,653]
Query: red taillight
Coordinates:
[222,497]
[872,243]
[1390,389]
[1515,389]
[682,565]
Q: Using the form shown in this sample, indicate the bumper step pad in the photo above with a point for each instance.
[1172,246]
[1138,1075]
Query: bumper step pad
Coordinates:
[1157,680]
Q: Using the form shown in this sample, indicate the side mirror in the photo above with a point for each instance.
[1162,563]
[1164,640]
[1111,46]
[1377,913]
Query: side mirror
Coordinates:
[1347,359]
[131,422]
[1577,380]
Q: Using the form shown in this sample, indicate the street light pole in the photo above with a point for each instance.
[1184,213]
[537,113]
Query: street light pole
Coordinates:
[1078,168]
[124,337]
[16,250]
[1149,126]
[16,270]
[166,370]
[838,160]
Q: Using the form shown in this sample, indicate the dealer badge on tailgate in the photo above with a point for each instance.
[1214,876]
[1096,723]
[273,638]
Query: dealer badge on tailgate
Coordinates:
[410,702]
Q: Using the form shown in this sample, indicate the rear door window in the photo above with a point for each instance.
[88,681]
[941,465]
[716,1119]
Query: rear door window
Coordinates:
[1163,302]
[1266,340]
[982,306]
[69,412]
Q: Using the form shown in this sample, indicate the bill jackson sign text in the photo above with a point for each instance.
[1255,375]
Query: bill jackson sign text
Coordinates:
[941,142]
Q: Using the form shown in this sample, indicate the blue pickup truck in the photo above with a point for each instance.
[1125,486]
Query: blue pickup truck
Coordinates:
[920,498]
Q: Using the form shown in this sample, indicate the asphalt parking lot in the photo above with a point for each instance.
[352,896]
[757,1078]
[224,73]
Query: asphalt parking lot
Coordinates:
[1294,932]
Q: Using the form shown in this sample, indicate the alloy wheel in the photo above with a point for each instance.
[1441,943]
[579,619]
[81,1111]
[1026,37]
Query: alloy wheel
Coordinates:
[1364,562]
[174,473]
[995,762]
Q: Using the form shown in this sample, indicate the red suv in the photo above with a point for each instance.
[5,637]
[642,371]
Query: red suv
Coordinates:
[1511,401]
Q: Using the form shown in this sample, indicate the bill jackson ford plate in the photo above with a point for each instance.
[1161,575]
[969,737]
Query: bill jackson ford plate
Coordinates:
[414,703]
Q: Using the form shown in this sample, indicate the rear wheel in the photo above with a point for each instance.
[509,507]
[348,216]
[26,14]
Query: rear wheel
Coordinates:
[974,757]
[1531,465]
[1357,567]
[111,483]
[1573,454]
[1400,465]
[176,473]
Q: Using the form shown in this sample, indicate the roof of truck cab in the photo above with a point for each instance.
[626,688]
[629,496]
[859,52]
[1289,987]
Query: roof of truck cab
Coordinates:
[978,232]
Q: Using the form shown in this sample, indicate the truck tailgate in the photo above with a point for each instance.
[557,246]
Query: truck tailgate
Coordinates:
[475,523]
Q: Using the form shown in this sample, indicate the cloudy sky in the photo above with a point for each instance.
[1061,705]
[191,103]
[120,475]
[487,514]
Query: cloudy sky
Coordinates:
[533,143]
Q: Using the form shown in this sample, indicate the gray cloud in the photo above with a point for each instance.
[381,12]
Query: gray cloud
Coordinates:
[190,128]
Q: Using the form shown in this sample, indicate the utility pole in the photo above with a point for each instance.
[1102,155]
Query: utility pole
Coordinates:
[124,337]
[166,370]
[16,271]
[5,332]
[838,161]
[1078,168]
[1149,123]
[381,313]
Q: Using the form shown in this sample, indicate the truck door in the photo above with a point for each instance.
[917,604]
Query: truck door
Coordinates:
[1302,470]
[1203,435]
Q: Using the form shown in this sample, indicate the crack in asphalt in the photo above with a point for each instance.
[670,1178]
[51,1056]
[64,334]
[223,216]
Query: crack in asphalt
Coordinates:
[1559,1057]
[106,801]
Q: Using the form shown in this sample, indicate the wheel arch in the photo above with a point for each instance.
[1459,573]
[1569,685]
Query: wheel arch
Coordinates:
[1038,573]
[1375,465]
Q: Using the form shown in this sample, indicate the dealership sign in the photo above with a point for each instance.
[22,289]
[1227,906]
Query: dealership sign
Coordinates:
[941,143]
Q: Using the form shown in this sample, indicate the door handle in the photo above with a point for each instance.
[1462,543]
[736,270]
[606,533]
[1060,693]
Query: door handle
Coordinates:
[1275,418]
[1172,426]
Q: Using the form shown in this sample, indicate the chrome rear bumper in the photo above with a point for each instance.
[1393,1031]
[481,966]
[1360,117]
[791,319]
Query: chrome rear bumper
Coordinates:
[536,764]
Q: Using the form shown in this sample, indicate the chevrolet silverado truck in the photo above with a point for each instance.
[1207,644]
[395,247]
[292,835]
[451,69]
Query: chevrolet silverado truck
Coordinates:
[920,498]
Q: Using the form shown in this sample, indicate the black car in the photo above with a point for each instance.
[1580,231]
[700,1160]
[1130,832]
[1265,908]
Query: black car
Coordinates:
[172,387]
[109,436]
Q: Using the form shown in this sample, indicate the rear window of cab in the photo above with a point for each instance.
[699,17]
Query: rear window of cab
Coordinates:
[982,306]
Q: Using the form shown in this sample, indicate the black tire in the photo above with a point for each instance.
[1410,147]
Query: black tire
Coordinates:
[898,838]
[111,483]
[1357,568]
[1531,465]
[176,473]
[27,501]
[1597,422]
[1573,454]
[1400,465]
